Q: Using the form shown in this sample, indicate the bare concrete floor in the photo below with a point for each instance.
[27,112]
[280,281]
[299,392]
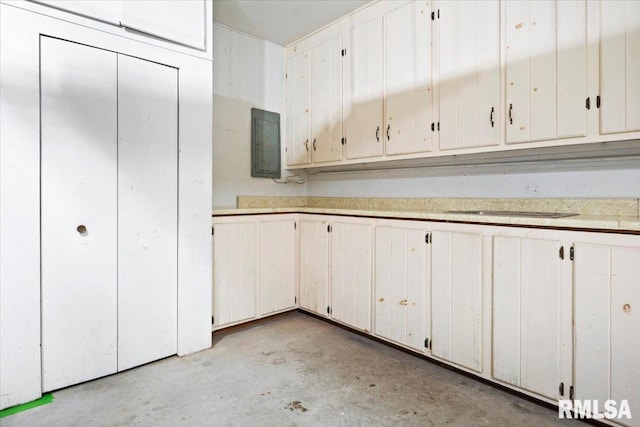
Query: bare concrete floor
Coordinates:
[292,371]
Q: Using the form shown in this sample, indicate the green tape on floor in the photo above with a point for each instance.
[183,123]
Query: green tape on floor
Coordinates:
[47,398]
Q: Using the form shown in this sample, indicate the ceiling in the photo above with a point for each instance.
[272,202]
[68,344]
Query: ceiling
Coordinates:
[281,21]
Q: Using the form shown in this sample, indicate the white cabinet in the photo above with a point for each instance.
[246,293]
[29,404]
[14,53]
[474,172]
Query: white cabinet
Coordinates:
[351,269]
[546,69]
[234,271]
[528,303]
[108,215]
[467,68]
[298,88]
[407,79]
[401,284]
[326,101]
[278,260]
[314,265]
[619,66]
[363,90]
[607,320]
[456,298]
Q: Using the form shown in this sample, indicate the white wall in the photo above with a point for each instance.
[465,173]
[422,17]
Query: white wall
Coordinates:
[584,179]
[247,72]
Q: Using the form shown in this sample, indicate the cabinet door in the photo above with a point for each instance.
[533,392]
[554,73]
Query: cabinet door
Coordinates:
[363,87]
[456,298]
[314,266]
[468,64]
[401,285]
[620,66]
[546,69]
[326,101]
[147,211]
[351,248]
[408,95]
[607,320]
[526,313]
[234,272]
[78,212]
[298,92]
[277,265]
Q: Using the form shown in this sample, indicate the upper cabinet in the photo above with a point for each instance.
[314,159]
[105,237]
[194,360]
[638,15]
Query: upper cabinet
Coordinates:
[407,84]
[428,79]
[620,67]
[467,52]
[546,70]
[183,22]
[363,90]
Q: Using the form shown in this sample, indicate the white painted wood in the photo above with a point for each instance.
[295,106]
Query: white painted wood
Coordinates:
[147,211]
[401,285]
[619,66]
[468,73]
[546,70]
[526,313]
[298,88]
[363,90]
[326,101]
[103,10]
[180,21]
[456,298]
[407,72]
[351,270]
[278,260]
[234,272]
[571,57]
[314,266]
[606,349]
[78,188]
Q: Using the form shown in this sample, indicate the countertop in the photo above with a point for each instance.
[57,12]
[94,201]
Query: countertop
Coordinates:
[616,223]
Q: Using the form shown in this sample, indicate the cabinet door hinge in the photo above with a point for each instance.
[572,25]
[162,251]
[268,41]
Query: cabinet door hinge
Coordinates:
[427,238]
[561,389]
[213,231]
[438,126]
[328,309]
[213,320]
[343,52]
[588,103]
[295,226]
[426,343]
[435,14]
[561,252]
[329,228]
[571,393]
[295,300]
[598,101]
[433,127]
[344,141]
[572,253]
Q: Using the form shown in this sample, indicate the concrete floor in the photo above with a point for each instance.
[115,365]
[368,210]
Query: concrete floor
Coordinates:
[291,371]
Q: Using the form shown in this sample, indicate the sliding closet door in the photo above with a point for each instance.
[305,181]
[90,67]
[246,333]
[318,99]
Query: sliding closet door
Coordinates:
[147,211]
[78,212]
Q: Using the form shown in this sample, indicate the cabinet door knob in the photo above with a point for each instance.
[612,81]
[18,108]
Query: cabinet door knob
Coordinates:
[491,117]
[306,144]
[388,127]
[403,302]
[378,134]
[314,144]
[626,308]
[510,114]
[81,229]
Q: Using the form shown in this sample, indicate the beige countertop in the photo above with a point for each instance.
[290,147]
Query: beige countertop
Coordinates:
[609,222]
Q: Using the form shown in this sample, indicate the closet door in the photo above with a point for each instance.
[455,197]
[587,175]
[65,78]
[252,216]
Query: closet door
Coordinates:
[78,212]
[147,211]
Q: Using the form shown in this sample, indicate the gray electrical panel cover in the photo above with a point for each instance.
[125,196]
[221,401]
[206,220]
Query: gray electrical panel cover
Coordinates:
[265,144]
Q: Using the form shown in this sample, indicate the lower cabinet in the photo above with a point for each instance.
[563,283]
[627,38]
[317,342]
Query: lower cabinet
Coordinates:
[351,269]
[314,265]
[456,298]
[401,284]
[607,320]
[254,267]
[527,305]
[552,313]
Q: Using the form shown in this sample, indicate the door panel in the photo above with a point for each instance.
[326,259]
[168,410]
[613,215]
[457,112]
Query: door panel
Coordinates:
[277,265]
[297,104]
[456,298]
[147,211]
[78,188]
[314,266]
